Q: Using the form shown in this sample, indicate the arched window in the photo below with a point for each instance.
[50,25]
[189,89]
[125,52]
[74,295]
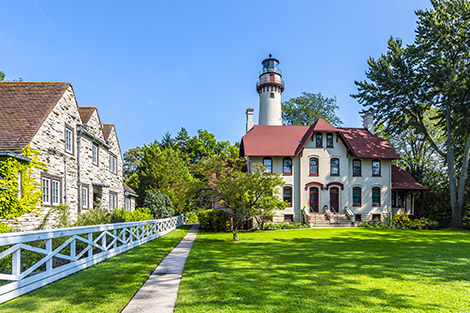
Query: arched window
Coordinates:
[329,140]
[376,168]
[376,196]
[287,195]
[268,164]
[318,140]
[287,166]
[313,166]
[334,167]
[357,196]
[357,168]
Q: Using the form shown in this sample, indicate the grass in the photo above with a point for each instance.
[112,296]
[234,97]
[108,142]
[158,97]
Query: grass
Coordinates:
[328,270]
[105,287]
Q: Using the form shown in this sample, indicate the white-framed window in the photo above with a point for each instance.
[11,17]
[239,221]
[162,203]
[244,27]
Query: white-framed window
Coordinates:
[112,164]
[68,139]
[112,201]
[95,153]
[46,191]
[84,197]
[127,204]
[55,192]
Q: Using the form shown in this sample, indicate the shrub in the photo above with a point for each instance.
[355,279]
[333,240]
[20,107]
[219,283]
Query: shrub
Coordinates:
[214,220]
[122,215]
[56,217]
[93,217]
[141,214]
[276,226]
[159,204]
[5,228]
[401,221]
[192,217]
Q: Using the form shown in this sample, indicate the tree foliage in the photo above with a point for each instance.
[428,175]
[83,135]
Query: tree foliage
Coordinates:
[429,76]
[307,108]
[2,76]
[159,204]
[245,193]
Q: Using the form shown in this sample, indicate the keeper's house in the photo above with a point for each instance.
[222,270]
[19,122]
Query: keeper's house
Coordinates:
[341,171]
[82,155]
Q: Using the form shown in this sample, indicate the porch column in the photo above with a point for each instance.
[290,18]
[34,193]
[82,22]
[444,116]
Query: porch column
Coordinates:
[421,204]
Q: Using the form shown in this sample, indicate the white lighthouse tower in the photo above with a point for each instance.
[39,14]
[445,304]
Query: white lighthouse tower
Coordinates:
[270,87]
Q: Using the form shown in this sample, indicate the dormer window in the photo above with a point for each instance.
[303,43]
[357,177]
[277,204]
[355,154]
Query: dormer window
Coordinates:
[268,164]
[318,140]
[329,140]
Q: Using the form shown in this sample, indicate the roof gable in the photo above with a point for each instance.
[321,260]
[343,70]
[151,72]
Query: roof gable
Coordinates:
[24,106]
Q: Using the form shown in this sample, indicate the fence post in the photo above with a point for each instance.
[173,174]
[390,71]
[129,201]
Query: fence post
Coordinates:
[49,250]
[16,263]
[90,239]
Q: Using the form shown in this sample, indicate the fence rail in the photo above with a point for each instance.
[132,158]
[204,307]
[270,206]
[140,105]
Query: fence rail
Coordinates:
[30,260]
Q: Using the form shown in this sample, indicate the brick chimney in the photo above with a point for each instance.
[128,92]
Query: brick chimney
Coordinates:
[249,119]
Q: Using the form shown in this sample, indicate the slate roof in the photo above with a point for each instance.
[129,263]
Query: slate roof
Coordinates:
[403,180]
[263,140]
[86,113]
[24,106]
[107,128]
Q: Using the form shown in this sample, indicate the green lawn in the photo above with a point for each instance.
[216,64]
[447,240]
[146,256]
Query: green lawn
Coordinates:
[328,270]
[105,287]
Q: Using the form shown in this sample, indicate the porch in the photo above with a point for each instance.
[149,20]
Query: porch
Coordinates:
[407,194]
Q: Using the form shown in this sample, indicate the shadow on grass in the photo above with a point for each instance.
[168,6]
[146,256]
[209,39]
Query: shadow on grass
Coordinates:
[105,287]
[328,271]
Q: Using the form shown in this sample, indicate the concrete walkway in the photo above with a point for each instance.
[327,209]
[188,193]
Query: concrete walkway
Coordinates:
[159,292]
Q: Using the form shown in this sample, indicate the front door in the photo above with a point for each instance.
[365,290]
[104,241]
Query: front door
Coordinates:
[334,199]
[313,199]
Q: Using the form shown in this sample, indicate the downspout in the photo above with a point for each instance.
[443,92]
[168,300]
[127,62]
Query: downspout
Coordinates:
[79,189]
[65,179]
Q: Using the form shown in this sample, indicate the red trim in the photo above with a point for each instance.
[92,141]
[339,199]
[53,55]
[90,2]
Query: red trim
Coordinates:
[380,196]
[313,184]
[332,140]
[331,166]
[360,168]
[287,173]
[289,204]
[380,168]
[335,183]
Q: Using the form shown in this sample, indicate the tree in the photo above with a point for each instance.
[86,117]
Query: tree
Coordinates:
[307,108]
[159,204]
[2,76]
[164,170]
[245,194]
[432,74]
[132,159]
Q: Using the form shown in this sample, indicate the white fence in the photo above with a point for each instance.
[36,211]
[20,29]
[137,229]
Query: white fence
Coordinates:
[30,260]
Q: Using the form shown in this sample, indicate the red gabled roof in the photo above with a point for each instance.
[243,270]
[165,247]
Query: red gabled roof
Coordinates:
[265,140]
[24,106]
[403,180]
[366,145]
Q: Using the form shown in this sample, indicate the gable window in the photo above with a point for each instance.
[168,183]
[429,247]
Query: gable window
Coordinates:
[112,164]
[376,196]
[329,140]
[314,166]
[318,140]
[357,168]
[334,171]
[113,200]
[95,153]
[357,201]
[287,195]
[271,95]
[85,197]
[268,164]
[68,139]
[375,167]
[287,166]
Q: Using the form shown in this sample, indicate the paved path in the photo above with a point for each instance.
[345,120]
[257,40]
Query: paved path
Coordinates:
[159,292]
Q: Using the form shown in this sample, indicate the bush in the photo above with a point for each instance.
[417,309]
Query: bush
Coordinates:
[192,217]
[214,220]
[159,204]
[5,228]
[93,217]
[276,226]
[56,217]
[401,221]
[122,215]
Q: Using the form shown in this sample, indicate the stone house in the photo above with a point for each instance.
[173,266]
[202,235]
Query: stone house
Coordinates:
[82,155]
[346,172]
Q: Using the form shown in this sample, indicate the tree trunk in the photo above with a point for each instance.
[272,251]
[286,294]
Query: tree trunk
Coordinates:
[235,235]
[463,178]
[235,227]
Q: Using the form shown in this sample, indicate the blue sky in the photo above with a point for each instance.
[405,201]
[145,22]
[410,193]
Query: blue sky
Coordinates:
[156,66]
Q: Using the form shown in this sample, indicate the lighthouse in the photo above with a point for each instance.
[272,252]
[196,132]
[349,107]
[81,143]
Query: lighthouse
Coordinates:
[270,87]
